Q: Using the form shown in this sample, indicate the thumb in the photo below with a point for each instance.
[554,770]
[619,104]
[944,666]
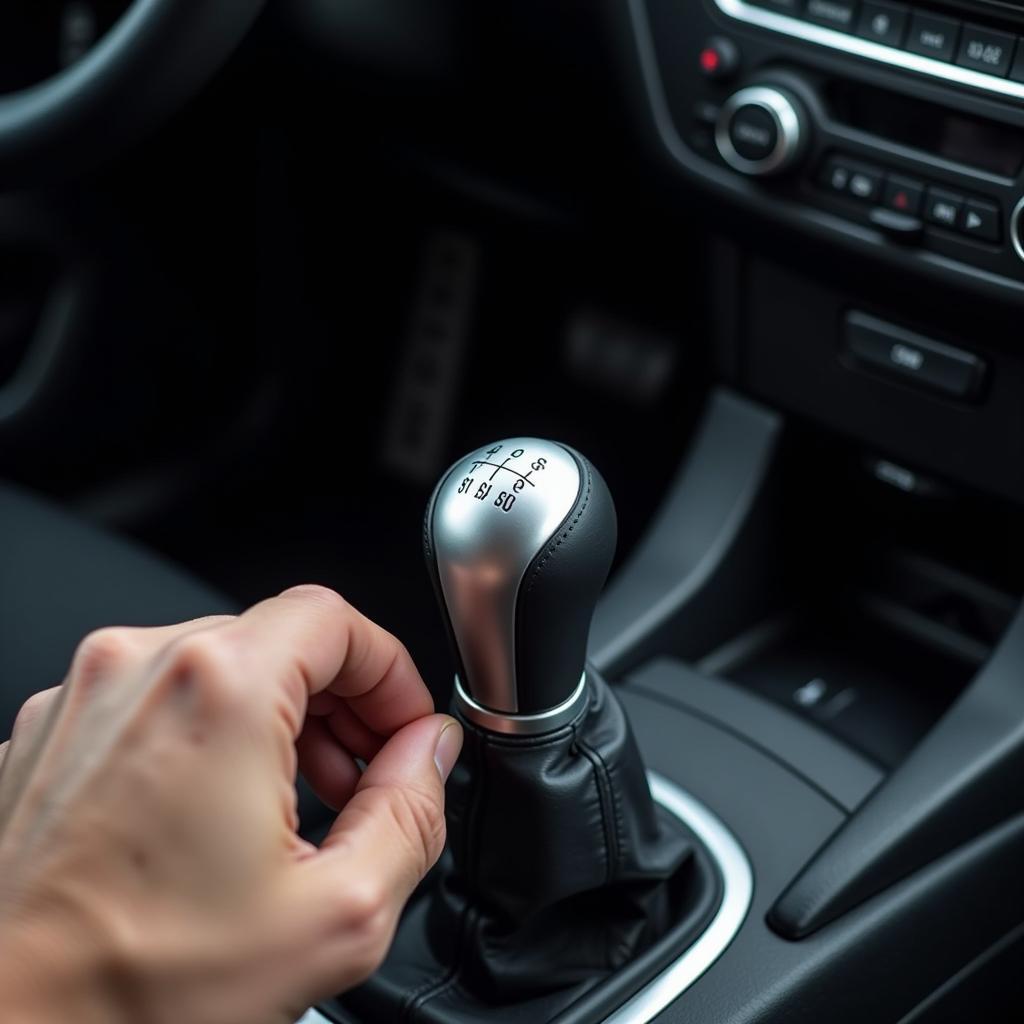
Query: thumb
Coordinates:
[394,823]
[389,834]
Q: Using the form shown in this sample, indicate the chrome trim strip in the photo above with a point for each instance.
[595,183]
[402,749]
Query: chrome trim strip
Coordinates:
[523,725]
[865,48]
[1015,228]
[737,893]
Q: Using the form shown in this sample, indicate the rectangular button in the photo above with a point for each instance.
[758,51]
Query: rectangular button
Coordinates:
[835,175]
[943,208]
[984,50]
[791,7]
[838,14]
[932,36]
[883,23]
[981,219]
[903,195]
[851,178]
[865,183]
[913,357]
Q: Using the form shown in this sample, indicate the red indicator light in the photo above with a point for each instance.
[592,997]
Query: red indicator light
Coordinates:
[709,60]
[900,200]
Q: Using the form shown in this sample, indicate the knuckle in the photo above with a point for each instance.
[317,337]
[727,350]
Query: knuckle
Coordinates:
[101,651]
[32,710]
[365,907]
[318,593]
[367,921]
[208,661]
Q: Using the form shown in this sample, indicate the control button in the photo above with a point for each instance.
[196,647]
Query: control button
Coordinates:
[898,226]
[791,7]
[912,357]
[754,133]
[835,174]
[760,130]
[932,36]
[838,14]
[851,178]
[883,23]
[981,219]
[903,195]
[866,183]
[719,59]
[706,112]
[984,50]
[943,208]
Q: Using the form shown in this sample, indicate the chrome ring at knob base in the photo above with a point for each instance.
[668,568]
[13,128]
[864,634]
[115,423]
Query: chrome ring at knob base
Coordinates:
[523,725]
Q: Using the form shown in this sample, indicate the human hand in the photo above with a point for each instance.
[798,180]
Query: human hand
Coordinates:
[150,868]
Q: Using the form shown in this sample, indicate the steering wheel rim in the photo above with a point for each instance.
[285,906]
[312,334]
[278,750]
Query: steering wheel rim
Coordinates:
[158,54]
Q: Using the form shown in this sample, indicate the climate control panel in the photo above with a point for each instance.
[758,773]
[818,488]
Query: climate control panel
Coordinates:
[897,129]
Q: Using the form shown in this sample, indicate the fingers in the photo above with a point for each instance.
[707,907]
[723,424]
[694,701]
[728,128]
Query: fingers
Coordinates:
[393,827]
[30,723]
[388,836]
[310,640]
[328,767]
[103,656]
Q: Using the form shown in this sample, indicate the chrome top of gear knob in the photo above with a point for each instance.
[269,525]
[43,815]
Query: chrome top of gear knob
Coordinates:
[519,538]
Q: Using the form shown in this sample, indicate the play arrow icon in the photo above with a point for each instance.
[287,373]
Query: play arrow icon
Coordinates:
[973,220]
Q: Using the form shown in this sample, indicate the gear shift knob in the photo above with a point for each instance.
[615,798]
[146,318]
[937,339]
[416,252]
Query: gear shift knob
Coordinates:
[519,538]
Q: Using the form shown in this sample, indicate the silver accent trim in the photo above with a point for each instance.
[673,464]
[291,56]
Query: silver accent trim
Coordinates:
[742,11]
[493,513]
[787,129]
[737,893]
[523,725]
[1015,228]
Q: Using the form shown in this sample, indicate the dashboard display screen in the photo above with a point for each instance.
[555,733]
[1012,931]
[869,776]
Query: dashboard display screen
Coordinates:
[975,142]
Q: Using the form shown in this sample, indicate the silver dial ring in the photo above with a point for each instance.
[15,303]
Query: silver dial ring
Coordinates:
[788,132]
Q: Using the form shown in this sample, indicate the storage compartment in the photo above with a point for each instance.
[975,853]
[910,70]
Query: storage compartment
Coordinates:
[880,605]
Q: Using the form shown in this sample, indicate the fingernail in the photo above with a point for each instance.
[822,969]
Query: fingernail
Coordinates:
[446,753]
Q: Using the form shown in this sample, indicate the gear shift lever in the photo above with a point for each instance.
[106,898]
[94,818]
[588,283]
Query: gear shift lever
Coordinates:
[561,881]
[519,539]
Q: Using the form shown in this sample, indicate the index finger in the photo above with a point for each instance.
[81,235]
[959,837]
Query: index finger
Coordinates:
[313,634]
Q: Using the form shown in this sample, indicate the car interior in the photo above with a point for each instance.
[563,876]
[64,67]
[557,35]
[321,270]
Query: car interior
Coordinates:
[271,271]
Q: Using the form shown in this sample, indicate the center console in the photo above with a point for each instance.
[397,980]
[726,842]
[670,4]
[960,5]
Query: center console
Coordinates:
[892,128]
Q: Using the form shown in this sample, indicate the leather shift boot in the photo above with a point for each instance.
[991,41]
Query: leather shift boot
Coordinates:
[564,887]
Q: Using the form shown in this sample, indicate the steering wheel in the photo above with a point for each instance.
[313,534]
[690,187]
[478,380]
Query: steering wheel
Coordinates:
[155,56]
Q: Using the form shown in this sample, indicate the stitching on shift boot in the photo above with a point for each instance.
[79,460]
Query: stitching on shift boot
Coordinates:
[606,802]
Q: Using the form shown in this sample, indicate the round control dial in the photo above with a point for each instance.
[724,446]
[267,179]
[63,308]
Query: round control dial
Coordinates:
[761,130]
